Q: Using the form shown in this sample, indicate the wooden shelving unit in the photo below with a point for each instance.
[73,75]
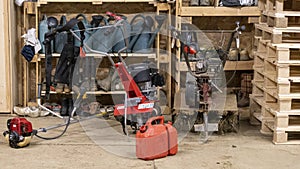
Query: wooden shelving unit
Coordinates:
[34,10]
[186,14]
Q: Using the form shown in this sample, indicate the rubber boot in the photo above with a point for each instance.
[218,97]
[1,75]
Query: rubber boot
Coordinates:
[71,107]
[204,2]
[59,88]
[244,102]
[93,85]
[194,2]
[64,107]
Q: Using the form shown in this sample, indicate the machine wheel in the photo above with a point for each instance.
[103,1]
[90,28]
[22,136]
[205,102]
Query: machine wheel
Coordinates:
[156,110]
[183,122]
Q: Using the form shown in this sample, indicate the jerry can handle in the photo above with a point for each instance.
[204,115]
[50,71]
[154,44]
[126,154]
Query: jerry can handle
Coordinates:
[160,118]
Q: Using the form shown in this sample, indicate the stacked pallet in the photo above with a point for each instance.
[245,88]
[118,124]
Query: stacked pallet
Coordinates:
[275,99]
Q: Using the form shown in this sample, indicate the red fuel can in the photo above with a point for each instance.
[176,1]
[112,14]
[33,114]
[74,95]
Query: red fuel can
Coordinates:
[172,134]
[156,139]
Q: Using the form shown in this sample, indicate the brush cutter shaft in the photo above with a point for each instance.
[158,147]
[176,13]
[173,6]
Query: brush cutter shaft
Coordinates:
[74,121]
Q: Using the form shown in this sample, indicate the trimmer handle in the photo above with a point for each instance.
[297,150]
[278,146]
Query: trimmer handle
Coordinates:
[49,36]
[113,15]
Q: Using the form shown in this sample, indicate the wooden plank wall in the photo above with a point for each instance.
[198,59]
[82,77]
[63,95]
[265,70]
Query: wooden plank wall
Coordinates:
[5,82]
[9,56]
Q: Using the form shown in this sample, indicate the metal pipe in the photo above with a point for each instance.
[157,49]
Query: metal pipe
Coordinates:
[43,107]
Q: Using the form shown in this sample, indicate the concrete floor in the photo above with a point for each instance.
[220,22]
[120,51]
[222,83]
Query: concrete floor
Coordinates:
[247,149]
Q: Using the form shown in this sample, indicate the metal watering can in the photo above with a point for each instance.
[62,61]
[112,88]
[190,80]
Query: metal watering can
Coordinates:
[142,37]
[45,26]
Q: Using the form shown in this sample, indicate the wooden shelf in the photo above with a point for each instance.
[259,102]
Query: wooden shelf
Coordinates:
[238,65]
[148,55]
[95,1]
[220,11]
[91,92]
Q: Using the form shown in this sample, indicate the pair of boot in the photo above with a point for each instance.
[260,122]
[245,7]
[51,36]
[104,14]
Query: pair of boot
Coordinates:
[238,54]
[67,107]
[60,88]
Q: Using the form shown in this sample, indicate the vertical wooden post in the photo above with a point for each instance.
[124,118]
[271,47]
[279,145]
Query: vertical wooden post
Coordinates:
[5,68]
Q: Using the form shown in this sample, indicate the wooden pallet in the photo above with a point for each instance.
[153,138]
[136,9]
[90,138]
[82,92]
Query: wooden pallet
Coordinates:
[263,46]
[281,87]
[283,127]
[280,20]
[258,60]
[278,35]
[280,125]
[257,87]
[284,53]
[258,73]
[255,111]
[286,137]
[281,102]
[274,70]
[279,5]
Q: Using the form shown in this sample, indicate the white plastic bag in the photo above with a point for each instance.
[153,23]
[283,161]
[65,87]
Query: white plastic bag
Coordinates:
[19,2]
[30,39]
[246,2]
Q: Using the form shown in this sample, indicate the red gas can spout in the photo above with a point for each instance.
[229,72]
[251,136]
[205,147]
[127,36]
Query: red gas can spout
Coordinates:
[143,129]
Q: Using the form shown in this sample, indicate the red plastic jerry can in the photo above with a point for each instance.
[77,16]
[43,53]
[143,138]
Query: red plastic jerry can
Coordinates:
[156,140]
[172,134]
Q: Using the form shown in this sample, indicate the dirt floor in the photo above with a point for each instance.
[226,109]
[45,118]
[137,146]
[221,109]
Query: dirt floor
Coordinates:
[246,149]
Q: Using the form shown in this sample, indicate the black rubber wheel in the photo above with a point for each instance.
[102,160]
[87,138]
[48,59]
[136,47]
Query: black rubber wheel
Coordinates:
[156,110]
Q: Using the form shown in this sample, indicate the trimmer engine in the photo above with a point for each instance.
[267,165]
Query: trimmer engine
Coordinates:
[19,132]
